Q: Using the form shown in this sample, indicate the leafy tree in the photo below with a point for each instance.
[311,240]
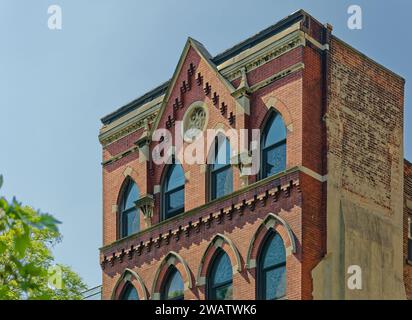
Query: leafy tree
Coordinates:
[27,267]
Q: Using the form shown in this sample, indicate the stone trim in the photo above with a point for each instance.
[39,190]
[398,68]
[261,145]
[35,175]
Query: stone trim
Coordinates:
[271,222]
[127,127]
[120,156]
[171,259]
[409,204]
[285,72]
[218,242]
[132,277]
[273,50]
[314,174]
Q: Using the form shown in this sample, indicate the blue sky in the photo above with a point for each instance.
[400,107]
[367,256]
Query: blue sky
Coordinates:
[56,85]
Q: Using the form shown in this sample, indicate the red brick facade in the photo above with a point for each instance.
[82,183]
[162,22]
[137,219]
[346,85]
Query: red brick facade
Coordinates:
[292,81]
[407,229]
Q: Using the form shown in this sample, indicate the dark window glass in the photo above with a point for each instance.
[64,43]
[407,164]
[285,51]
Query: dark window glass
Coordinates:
[174,286]
[273,146]
[410,242]
[129,293]
[410,249]
[221,173]
[129,214]
[272,269]
[220,284]
[174,191]
[131,196]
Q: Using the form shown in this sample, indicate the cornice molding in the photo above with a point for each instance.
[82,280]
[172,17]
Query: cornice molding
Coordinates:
[277,76]
[265,55]
[127,127]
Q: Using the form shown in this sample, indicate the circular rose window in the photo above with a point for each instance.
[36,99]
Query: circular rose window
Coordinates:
[194,121]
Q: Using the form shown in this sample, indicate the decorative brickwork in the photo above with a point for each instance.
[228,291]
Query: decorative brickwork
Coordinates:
[343,117]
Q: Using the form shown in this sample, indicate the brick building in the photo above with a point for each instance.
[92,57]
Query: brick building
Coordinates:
[329,194]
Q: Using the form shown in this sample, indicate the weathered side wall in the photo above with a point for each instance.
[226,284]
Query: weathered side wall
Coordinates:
[407,217]
[364,123]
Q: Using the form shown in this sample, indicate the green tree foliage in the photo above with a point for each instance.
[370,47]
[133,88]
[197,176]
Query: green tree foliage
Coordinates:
[27,267]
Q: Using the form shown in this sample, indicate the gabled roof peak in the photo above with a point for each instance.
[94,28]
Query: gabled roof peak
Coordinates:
[217,60]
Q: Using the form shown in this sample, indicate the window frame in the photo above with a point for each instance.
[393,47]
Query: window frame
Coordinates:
[123,212]
[213,172]
[167,282]
[260,270]
[264,149]
[211,288]
[126,289]
[166,213]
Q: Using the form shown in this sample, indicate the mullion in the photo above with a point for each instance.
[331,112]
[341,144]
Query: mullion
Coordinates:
[273,146]
[276,144]
[175,189]
[170,212]
[265,151]
[265,272]
[214,173]
[124,226]
[227,166]
[220,286]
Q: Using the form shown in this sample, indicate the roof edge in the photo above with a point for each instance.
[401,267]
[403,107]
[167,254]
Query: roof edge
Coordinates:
[218,59]
[147,97]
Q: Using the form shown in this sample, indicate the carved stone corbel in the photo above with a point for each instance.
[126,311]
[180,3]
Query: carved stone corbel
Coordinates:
[146,205]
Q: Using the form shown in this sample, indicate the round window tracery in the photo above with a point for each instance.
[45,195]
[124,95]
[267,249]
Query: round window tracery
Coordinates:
[194,121]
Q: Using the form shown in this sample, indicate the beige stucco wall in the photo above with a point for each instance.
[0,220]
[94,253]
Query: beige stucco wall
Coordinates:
[364,123]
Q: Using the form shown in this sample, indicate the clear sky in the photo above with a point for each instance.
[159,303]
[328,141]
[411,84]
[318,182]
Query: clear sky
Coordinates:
[55,85]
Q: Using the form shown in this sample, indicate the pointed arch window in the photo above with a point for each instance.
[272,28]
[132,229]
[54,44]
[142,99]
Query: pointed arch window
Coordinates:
[273,146]
[271,272]
[220,278]
[129,292]
[129,214]
[174,191]
[174,286]
[221,173]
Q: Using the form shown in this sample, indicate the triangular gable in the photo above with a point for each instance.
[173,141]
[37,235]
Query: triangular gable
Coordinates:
[206,57]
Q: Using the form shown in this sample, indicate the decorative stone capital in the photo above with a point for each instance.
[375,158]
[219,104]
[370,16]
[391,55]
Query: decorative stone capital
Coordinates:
[242,161]
[143,145]
[143,141]
[241,94]
[146,205]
